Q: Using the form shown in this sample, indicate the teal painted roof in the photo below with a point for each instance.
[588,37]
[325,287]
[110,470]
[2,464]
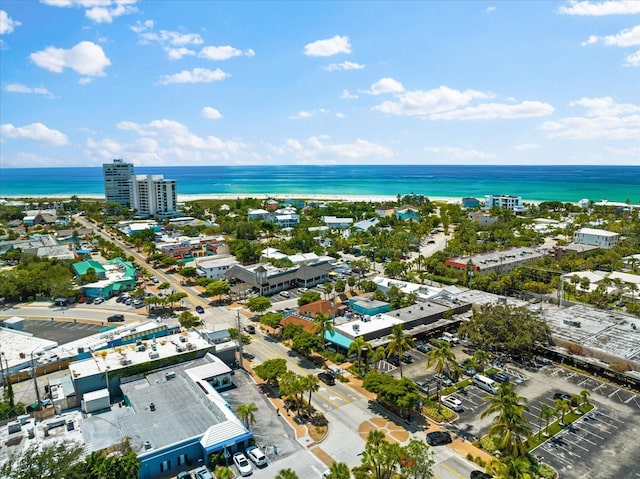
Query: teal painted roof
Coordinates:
[338,339]
[82,267]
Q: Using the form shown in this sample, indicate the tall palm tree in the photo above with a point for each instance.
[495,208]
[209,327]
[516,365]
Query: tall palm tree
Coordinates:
[246,413]
[311,384]
[400,342]
[286,474]
[510,425]
[376,355]
[443,360]
[482,358]
[562,406]
[545,414]
[584,397]
[339,470]
[325,323]
[357,346]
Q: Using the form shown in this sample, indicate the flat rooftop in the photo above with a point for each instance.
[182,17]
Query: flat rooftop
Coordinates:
[14,343]
[126,355]
[502,257]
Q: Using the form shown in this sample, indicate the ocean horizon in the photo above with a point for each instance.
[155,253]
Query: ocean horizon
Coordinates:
[565,183]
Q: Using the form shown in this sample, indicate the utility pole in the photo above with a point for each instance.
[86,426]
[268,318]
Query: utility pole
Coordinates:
[239,340]
[35,380]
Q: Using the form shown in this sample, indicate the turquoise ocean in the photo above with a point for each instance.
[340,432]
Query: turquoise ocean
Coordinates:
[533,183]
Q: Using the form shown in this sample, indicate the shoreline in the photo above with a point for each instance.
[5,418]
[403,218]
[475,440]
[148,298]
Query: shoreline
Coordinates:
[262,196]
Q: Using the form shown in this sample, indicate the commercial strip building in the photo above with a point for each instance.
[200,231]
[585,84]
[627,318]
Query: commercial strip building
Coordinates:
[502,261]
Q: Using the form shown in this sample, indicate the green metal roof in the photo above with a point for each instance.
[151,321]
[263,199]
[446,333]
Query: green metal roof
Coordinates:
[83,267]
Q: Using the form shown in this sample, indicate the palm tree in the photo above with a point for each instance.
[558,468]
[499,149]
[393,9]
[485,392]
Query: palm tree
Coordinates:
[509,468]
[325,323]
[545,414]
[400,342]
[223,472]
[286,474]
[339,470]
[562,406]
[584,397]
[246,413]
[357,346]
[482,358]
[443,360]
[311,384]
[510,425]
[376,355]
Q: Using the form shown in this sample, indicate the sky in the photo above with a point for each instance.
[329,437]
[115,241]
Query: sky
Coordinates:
[319,82]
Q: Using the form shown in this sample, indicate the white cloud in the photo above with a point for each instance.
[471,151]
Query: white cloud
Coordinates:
[210,113]
[20,88]
[34,131]
[318,148]
[494,111]
[98,11]
[612,7]
[604,118]
[86,58]
[167,38]
[340,115]
[224,53]
[343,66]
[7,24]
[301,115]
[625,38]
[197,75]
[328,47]
[459,153]
[385,85]
[490,9]
[348,96]
[633,60]
[175,134]
[632,152]
[444,103]
[527,146]
[178,53]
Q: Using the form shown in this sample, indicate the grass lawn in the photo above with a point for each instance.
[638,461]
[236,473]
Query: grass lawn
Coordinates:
[555,427]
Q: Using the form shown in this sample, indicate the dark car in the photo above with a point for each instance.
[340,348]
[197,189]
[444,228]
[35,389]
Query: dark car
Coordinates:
[499,377]
[394,359]
[443,379]
[199,309]
[479,475]
[250,328]
[437,438]
[424,347]
[184,475]
[115,318]
[327,378]
[407,358]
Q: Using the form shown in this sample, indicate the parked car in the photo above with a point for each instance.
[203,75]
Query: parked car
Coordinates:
[285,294]
[443,379]
[452,402]
[115,318]
[303,290]
[422,385]
[242,463]
[437,438]
[184,475]
[250,328]
[327,378]
[200,309]
[406,358]
[394,359]
[499,377]
[202,473]
[256,456]
[424,347]
[98,300]
[480,475]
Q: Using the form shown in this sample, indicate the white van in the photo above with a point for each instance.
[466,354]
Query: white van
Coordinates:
[485,383]
[450,338]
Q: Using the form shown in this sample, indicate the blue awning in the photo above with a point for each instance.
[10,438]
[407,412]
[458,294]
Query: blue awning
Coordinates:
[338,339]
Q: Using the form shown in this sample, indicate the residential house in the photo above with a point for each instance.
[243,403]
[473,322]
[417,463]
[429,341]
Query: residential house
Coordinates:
[596,237]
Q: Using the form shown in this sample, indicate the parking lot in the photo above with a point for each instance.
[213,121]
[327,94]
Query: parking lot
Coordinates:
[60,331]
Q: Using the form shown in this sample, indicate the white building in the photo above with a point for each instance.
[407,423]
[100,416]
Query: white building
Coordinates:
[335,223]
[153,195]
[117,181]
[595,237]
[513,203]
[214,267]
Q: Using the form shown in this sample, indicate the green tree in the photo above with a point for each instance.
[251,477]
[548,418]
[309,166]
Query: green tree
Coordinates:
[272,319]
[286,474]
[189,320]
[218,287]
[545,414]
[308,297]
[444,361]
[258,304]
[379,456]
[189,273]
[324,322]
[416,460]
[357,346]
[400,342]
[53,461]
[562,407]
[509,468]
[311,384]
[338,470]
[482,358]
[510,425]
[247,413]
[271,369]
[224,472]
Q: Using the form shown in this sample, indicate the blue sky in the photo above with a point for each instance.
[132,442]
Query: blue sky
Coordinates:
[234,83]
